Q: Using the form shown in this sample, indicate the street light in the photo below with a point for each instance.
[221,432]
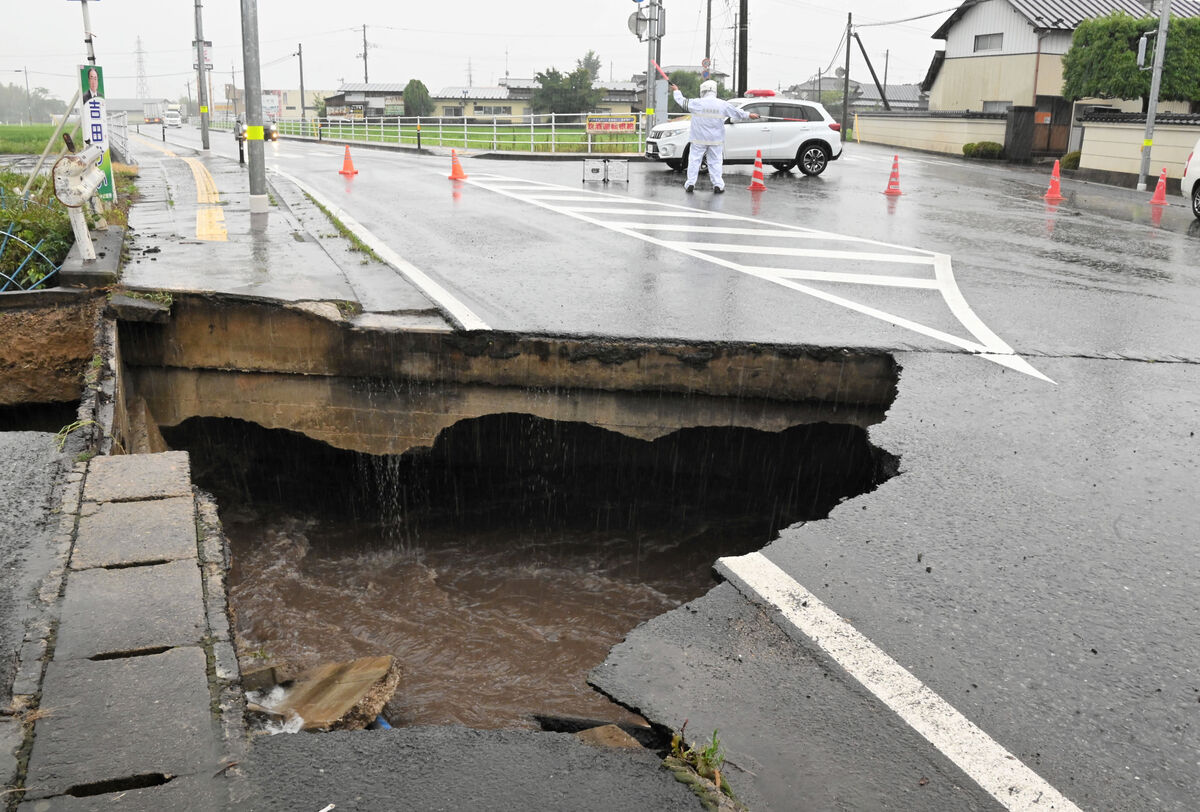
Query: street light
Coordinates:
[28,95]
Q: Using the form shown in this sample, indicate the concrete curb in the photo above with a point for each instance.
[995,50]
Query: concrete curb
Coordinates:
[104,712]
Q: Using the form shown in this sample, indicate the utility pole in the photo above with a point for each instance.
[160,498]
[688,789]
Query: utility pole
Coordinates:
[708,32]
[846,79]
[364,54]
[87,32]
[735,52]
[28,96]
[743,51]
[300,53]
[259,202]
[655,29]
[203,92]
[1160,47]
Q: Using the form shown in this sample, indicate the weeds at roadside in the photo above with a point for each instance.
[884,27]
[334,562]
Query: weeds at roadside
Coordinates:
[161,297]
[699,766]
[355,243]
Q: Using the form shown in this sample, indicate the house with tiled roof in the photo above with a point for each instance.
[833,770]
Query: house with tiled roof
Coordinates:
[1004,53]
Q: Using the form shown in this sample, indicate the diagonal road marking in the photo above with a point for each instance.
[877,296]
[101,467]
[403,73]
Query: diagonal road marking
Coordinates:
[986,345]
[997,771]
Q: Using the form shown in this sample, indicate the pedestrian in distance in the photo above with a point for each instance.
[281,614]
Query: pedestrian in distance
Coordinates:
[707,132]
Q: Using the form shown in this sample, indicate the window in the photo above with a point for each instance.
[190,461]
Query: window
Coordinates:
[454,112]
[988,42]
[494,110]
[996,106]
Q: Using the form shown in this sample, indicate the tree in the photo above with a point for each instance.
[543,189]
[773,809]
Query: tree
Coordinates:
[16,105]
[570,93]
[689,85]
[590,63]
[416,99]
[1102,60]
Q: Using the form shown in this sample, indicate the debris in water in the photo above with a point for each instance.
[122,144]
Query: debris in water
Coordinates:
[337,696]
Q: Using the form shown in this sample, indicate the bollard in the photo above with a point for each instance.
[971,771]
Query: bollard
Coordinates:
[418,138]
[164,129]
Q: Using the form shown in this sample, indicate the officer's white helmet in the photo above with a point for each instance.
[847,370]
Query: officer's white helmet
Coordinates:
[708,88]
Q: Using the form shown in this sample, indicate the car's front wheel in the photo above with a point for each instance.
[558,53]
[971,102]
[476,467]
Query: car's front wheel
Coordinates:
[786,166]
[674,165]
[812,159]
[1196,199]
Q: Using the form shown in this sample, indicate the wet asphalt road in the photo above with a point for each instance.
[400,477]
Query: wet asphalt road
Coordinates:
[1034,564]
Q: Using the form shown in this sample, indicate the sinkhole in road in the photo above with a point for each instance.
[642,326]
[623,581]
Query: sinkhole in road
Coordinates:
[503,562]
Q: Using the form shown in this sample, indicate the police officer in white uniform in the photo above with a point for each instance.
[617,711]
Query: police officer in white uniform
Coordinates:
[708,132]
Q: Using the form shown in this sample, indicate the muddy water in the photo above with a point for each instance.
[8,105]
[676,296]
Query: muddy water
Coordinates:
[501,565]
[491,625]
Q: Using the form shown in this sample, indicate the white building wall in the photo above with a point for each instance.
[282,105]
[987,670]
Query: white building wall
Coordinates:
[991,17]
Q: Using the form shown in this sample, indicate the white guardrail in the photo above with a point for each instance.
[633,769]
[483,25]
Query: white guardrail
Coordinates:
[548,132]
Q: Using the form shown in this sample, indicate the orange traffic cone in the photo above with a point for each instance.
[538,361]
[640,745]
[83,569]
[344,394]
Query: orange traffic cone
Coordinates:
[893,187]
[756,182]
[456,170]
[1054,193]
[1160,191]
[347,165]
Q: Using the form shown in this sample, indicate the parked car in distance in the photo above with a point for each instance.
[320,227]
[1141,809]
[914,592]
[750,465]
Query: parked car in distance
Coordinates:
[271,131]
[239,130]
[1191,173]
[790,132]
[171,118]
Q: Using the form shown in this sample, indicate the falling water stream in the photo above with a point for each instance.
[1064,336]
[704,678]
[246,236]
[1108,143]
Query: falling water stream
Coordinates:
[501,565]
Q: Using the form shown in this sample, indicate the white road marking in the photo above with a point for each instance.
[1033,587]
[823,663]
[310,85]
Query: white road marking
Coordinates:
[862,256]
[847,278]
[1013,784]
[458,311]
[987,344]
[648,212]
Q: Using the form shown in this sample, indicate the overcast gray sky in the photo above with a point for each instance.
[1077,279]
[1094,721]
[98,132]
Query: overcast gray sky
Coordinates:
[439,43]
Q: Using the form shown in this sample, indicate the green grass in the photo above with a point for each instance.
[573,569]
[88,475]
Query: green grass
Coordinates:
[27,139]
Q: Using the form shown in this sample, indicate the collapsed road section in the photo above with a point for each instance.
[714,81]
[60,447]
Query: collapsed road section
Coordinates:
[494,510]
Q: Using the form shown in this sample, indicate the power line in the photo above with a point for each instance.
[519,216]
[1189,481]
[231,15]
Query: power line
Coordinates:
[908,19]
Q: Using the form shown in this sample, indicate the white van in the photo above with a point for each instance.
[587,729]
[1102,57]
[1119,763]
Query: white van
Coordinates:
[171,118]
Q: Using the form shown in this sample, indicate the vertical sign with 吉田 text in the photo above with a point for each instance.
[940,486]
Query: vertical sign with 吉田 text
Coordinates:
[93,119]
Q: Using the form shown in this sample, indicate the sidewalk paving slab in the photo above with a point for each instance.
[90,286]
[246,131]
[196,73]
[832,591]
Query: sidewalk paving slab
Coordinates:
[185,794]
[131,609]
[126,533]
[113,719]
[131,477]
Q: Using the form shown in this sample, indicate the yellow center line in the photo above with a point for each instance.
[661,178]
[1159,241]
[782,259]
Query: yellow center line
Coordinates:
[206,187]
[210,218]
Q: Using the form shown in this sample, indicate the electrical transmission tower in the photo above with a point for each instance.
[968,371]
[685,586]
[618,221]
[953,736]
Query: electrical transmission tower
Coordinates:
[143,88]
